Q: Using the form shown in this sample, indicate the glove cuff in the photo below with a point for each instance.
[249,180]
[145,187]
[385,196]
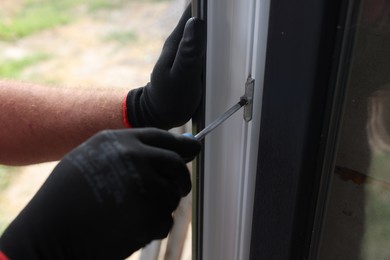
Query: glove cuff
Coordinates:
[140,111]
[134,112]
[125,116]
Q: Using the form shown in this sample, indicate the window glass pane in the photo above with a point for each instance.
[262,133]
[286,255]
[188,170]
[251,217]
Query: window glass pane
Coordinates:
[357,224]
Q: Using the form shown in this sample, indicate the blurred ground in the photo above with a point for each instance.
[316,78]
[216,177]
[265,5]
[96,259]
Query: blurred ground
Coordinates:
[109,47]
[106,48]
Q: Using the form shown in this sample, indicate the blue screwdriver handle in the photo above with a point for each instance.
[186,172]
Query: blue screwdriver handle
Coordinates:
[189,135]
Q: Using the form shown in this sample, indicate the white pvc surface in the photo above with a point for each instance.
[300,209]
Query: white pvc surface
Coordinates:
[237,32]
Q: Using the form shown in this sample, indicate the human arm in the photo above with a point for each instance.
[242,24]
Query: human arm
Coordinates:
[39,123]
[106,199]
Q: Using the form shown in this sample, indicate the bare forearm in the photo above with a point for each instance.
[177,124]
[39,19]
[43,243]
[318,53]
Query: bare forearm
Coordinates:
[42,123]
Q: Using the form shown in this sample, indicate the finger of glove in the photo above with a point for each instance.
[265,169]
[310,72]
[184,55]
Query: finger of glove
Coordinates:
[164,197]
[161,227]
[191,50]
[182,145]
[171,167]
[171,44]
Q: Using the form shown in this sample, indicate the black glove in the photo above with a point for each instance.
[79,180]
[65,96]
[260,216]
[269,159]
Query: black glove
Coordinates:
[106,199]
[175,89]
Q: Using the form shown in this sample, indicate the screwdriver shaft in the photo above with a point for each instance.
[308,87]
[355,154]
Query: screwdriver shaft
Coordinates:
[202,134]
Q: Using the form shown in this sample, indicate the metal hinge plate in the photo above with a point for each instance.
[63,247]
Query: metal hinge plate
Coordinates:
[249,89]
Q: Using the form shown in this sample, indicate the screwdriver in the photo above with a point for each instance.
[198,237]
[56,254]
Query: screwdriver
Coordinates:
[202,134]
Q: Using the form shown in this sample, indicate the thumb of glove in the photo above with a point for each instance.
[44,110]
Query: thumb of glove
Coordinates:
[191,50]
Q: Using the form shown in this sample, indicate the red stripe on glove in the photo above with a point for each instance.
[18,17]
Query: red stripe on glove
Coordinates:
[124,115]
[3,256]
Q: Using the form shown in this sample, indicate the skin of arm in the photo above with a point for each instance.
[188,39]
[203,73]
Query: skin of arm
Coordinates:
[40,124]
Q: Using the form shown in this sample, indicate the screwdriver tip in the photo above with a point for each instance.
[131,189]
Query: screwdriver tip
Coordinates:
[243,101]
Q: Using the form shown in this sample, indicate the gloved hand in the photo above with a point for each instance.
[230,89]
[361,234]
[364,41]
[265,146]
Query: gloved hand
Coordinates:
[106,199]
[175,89]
